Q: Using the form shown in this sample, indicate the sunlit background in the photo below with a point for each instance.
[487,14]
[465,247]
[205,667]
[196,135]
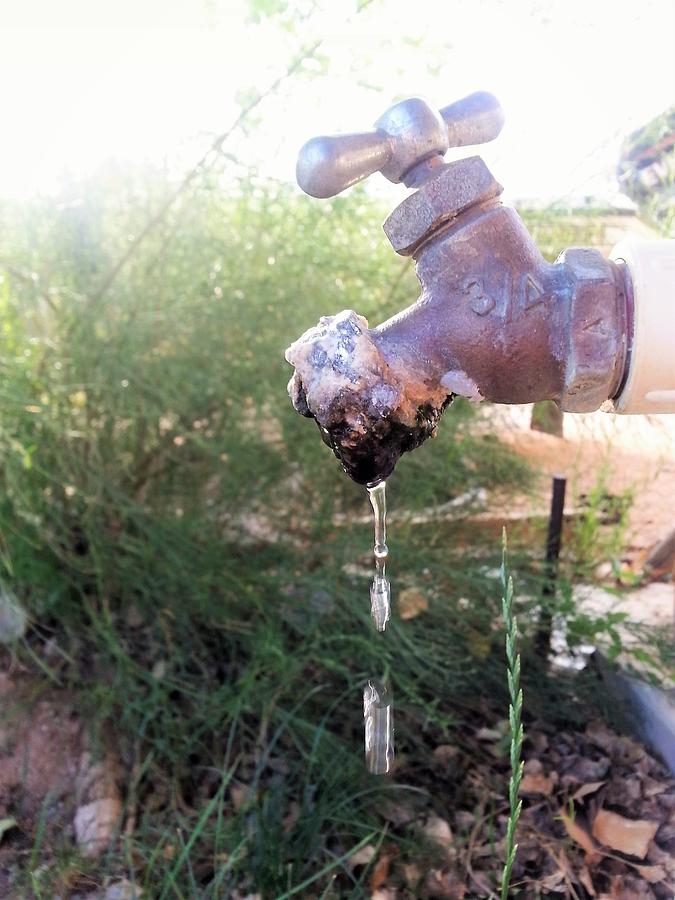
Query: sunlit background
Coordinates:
[86,82]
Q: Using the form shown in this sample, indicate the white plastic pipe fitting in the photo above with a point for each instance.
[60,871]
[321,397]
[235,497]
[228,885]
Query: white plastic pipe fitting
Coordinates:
[649,385]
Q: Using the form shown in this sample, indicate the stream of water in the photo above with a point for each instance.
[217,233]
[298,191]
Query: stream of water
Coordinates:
[380,591]
[378,710]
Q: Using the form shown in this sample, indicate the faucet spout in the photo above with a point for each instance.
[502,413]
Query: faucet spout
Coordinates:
[370,403]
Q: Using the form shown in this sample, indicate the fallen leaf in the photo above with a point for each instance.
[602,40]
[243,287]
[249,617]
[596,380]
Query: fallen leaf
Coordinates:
[411,602]
[580,836]
[587,789]
[631,836]
[6,825]
[362,856]
[380,874]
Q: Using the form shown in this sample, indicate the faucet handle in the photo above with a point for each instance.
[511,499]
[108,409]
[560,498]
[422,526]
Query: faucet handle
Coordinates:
[408,143]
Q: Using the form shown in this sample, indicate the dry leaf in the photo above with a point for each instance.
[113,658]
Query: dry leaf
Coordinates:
[380,873]
[579,835]
[411,602]
[587,789]
[631,836]
[361,857]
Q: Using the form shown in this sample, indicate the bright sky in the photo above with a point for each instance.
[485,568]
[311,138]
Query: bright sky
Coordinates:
[83,81]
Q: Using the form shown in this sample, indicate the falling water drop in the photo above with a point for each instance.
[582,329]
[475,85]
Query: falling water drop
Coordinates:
[378,720]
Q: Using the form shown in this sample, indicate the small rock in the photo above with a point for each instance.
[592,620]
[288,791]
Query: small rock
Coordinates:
[13,617]
[159,669]
[604,571]
[122,890]
[96,824]
[438,830]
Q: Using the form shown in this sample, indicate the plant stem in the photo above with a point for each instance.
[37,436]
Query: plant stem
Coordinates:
[516,727]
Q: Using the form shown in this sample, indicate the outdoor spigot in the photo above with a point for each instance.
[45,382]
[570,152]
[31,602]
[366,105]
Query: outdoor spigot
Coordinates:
[494,321]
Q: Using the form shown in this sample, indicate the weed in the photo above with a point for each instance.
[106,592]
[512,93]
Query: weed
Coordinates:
[515,724]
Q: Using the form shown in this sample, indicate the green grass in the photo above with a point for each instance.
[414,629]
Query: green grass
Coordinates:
[515,722]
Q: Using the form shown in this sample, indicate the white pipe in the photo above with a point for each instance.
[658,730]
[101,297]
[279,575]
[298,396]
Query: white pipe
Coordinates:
[649,386]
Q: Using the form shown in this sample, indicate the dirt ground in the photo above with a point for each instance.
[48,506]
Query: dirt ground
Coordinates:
[635,453]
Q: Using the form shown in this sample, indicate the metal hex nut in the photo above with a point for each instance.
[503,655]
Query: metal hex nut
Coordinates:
[458,186]
[595,333]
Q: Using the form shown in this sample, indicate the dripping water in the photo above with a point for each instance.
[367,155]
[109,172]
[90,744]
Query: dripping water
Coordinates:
[380,591]
[378,710]
[378,718]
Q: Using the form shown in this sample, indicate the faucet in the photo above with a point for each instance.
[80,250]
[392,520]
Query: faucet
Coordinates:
[494,320]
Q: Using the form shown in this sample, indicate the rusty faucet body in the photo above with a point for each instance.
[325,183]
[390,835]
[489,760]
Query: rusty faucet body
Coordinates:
[494,320]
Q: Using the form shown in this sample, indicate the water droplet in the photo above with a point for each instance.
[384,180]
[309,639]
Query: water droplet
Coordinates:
[378,721]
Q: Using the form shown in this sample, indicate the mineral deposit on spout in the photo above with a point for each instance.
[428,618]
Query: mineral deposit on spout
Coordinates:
[369,409]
